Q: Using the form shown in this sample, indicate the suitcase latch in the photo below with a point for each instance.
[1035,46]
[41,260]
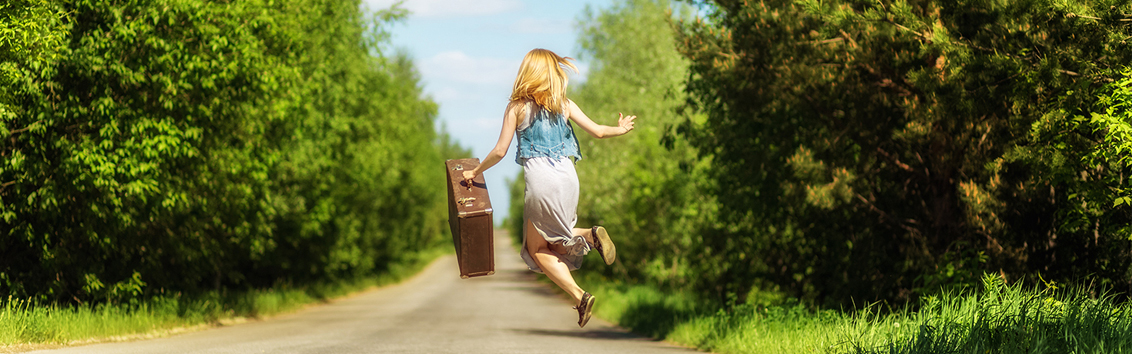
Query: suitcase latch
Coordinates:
[466,201]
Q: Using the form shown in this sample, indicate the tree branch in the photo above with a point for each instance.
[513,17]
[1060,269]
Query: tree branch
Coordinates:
[21,130]
[902,27]
[24,129]
[1072,15]
[821,41]
[883,215]
[895,160]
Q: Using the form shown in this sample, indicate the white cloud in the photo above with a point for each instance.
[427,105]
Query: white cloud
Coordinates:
[459,67]
[451,8]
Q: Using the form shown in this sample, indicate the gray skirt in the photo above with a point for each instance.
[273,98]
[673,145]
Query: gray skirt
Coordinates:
[550,203]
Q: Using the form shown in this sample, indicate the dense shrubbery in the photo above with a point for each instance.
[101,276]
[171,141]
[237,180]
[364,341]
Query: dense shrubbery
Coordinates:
[883,150]
[192,145]
[846,152]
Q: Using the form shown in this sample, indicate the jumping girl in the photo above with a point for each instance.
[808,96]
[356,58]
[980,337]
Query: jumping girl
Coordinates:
[540,112]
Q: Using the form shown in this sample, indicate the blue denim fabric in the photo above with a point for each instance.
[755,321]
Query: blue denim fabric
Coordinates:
[548,135]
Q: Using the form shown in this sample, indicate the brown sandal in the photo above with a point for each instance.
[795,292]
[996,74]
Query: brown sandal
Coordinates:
[585,309]
[604,245]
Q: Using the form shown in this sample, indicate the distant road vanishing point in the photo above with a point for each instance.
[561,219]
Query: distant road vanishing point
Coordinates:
[433,312]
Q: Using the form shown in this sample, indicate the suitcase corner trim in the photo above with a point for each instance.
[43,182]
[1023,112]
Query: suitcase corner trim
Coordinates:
[477,274]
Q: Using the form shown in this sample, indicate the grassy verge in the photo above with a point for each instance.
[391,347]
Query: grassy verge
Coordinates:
[26,325]
[997,319]
[1003,319]
[681,318]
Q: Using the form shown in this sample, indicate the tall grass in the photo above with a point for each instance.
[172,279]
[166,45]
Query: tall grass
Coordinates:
[1003,319]
[999,318]
[23,322]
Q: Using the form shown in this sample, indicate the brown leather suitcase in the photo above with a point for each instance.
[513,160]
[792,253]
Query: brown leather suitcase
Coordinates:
[469,217]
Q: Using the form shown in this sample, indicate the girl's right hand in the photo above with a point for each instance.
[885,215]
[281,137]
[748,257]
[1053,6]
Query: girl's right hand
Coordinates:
[469,177]
[625,122]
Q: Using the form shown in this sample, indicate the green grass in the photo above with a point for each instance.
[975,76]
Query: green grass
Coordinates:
[1004,319]
[682,319]
[24,323]
[997,319]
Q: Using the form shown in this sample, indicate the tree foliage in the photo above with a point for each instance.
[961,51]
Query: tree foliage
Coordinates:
[646,190]
[882,149]
[187,145]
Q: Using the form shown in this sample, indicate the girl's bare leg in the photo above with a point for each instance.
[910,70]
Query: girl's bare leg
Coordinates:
[585,233]
[551,263]
[608,250]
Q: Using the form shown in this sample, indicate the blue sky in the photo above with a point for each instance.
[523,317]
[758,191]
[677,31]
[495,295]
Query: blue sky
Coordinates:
[468,53]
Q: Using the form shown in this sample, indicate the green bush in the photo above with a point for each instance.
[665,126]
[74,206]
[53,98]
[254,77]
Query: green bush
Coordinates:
[886,150]
[192,145]
[647,187]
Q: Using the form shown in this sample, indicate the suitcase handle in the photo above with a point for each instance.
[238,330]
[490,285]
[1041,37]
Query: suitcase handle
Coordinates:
[460,167]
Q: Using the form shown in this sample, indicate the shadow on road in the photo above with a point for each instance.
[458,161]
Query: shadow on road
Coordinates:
[523,275]
[592,334]
[525,280]
[654,319]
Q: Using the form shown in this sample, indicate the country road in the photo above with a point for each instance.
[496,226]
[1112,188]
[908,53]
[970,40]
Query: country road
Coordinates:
[433,312]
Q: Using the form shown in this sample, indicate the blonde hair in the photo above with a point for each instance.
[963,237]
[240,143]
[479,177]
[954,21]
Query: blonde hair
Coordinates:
[542,79]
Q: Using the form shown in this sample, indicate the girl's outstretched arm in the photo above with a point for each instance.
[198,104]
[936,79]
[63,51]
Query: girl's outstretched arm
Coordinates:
[510,123]
[624,124]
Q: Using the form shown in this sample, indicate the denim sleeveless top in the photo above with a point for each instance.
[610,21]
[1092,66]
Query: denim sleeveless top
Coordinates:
[547,134]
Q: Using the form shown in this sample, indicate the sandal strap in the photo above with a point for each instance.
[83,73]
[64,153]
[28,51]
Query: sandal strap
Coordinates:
[584,309]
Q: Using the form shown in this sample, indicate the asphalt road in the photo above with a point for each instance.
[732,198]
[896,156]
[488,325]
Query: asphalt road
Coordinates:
[434,312]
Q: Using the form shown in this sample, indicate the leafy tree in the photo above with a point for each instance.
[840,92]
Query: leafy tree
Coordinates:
[193,145]
[644,188]
[877,150]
